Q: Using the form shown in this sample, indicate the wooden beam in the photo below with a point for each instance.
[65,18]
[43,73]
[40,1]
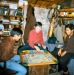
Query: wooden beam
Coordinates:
[47,0]
[67,10]
[45,3]
[32,1]
[36,1]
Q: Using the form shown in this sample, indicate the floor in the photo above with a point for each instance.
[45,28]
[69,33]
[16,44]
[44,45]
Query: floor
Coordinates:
[57,73]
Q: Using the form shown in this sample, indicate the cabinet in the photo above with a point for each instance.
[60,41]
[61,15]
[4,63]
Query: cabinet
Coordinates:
[11,16]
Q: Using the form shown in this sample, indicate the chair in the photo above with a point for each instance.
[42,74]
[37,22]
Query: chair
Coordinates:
[5,71]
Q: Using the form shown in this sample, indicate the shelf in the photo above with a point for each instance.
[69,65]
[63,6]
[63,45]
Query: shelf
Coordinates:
[11,24]
[65,17]
[5,10]
[67,10]
[11,15]
[8,16]
[7,3]
[3,35]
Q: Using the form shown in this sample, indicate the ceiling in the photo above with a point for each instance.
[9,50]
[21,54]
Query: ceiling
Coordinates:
[45,3]
[49,3]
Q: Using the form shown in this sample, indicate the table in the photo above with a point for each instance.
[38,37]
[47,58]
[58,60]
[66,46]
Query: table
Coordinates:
[38,62]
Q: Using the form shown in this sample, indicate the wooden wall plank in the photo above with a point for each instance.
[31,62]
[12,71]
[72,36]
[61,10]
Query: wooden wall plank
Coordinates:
[67,10]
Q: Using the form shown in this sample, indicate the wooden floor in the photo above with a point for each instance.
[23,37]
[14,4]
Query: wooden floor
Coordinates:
[57,73]
[40,70]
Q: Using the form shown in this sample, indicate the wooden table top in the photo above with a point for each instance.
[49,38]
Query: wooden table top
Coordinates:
[33,58]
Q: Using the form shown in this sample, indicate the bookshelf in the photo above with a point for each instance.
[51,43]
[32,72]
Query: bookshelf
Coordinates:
[10,14]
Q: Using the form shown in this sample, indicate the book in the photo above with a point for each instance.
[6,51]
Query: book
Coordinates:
[19,12]
[13,12]
[1,10]
[5,10]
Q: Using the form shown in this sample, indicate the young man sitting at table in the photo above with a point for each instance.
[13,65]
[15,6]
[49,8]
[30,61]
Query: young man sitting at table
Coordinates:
[8,53]
[35,39]
[65,53]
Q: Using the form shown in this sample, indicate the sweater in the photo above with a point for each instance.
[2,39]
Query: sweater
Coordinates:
[6,48]
[35,38]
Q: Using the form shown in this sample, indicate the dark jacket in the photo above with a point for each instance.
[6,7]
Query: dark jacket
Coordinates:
[69,44]
[30,22]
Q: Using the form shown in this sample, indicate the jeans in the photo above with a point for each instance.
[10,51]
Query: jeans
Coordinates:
[64,60]
[13,64]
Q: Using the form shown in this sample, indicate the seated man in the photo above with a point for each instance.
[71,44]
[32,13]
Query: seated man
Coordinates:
[35,38]
[65,53]
[8,54]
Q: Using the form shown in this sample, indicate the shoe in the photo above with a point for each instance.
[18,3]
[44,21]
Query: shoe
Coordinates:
[66,74]
[52,71]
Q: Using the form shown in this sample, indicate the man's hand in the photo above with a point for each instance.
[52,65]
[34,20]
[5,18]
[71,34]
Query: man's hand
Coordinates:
[15,51]
[63,53]
[59,52]
[37,48]
[44,46]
